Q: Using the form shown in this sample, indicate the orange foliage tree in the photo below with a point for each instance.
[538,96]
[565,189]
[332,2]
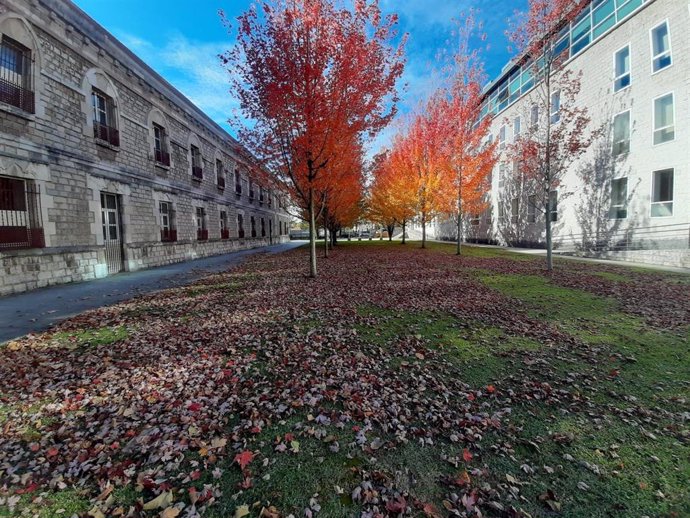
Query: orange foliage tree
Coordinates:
[307,73]
[392,197]
[420,156]
[341,192]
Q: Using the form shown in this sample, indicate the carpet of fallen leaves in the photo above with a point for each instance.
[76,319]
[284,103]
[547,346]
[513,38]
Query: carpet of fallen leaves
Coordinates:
[203,371]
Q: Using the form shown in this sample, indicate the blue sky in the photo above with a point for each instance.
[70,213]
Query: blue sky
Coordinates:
[181,39]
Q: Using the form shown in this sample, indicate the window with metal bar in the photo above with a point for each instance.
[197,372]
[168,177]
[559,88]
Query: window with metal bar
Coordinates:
[201,230]
[238,182]
[160,145]
[167,222]
[240,226]
[197,168]
[104,127]
[15,75]
[224,230]
[21,224]
[252,221]
[220,175]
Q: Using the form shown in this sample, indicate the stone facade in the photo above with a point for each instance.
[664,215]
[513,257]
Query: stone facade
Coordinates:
[102,128]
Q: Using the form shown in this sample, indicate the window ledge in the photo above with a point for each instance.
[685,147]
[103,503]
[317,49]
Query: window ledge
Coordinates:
[17,112]
[162,166]
[106,144]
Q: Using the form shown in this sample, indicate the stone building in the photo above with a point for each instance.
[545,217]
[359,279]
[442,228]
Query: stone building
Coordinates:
[629,196]
[104,165]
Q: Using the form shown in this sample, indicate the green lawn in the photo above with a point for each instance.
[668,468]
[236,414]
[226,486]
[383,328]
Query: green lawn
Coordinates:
[404,382]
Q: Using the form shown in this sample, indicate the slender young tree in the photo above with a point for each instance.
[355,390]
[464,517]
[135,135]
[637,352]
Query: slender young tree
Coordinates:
[471,158]
[557,134]
[306,74]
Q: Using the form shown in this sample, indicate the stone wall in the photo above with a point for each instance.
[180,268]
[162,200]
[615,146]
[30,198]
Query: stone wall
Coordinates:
[55,150]
[24,270]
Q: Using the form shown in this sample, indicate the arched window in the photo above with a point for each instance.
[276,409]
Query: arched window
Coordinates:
[196,161]
[240,225]
[19,64]
[220,171]
[238,182]
[101,107]
[159,138]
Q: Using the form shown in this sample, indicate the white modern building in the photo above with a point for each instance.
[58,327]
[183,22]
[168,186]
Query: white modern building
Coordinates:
[629,196]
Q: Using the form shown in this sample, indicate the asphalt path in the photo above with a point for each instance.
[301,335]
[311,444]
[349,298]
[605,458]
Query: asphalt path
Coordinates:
[37,310]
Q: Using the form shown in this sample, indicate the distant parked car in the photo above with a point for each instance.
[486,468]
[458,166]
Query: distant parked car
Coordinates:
[299,234]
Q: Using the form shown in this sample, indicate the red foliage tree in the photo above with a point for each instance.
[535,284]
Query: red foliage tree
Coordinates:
[557,134]
[306,74]
[471,159]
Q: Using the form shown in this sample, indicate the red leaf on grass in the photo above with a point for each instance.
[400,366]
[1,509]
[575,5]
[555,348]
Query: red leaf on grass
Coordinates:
[244,458]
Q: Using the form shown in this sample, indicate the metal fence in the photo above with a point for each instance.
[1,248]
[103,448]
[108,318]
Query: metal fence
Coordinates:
[658,237]
[21,225]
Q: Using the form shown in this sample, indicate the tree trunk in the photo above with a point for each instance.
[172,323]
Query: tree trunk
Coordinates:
[325,242]
[391,229]
[312,235]
[404,224]
[458,250]
[547,171]
[423,229]
[549,240]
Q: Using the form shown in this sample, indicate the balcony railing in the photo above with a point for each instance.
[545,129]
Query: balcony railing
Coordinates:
[21,225]
[106,134]
[221,183]
[168,235]
[202,235]
[162,157]
[15,95]
[197,173]
[225,233]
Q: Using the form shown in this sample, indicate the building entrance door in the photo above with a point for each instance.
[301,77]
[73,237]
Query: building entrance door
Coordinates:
[112,232]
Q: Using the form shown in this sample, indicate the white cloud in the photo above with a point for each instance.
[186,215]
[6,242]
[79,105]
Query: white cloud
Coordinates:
[193,68]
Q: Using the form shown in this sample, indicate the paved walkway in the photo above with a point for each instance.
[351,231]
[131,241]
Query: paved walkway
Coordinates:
[560,255]
[39,309]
